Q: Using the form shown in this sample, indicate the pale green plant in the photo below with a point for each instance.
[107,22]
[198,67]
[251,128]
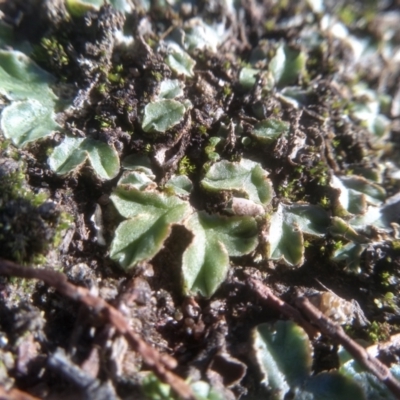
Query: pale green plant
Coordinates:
[284,355]
[162,114]
[73,152]
[31,114]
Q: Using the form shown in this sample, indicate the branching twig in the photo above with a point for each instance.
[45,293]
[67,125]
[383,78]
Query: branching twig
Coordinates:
[160,364]
[336,332]
[286,309]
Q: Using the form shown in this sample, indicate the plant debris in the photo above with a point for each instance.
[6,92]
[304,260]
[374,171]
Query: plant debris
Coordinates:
[178,181]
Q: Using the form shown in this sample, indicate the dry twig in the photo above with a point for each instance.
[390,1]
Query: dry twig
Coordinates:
[284,308]
[336,332]
[160,364]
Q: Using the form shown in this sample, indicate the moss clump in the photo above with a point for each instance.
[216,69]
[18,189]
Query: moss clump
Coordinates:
[186,167]
[52,55]
[378,332]
[25,230]
[28,224]
[396,245]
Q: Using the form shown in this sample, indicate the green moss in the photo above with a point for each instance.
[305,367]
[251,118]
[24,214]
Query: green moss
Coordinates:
[64,222]
[276,110]
[269,25]
[396,245]
[319,172]
[347,15]
[147,149]
[202,129]
[227,90]
[385,278]
[22,289]
[115,75]
[338,245]
[185,166]
[157,76]
[154,389]
[152,43]
[388,300]
[227,65]
[8,150]
[102,88]
[52,55]
[114,78]
[103,121]
[28,225]
[26,231]
[378,332]
[12,185]
[325,202]
[291,190]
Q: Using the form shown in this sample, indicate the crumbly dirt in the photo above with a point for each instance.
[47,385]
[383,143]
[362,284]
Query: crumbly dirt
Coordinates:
[210,338]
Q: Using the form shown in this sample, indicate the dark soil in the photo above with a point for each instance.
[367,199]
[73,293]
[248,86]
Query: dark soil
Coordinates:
[210,338]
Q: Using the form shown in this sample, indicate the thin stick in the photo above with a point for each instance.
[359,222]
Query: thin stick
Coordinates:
[160,364]
[284,308]
[336,332]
